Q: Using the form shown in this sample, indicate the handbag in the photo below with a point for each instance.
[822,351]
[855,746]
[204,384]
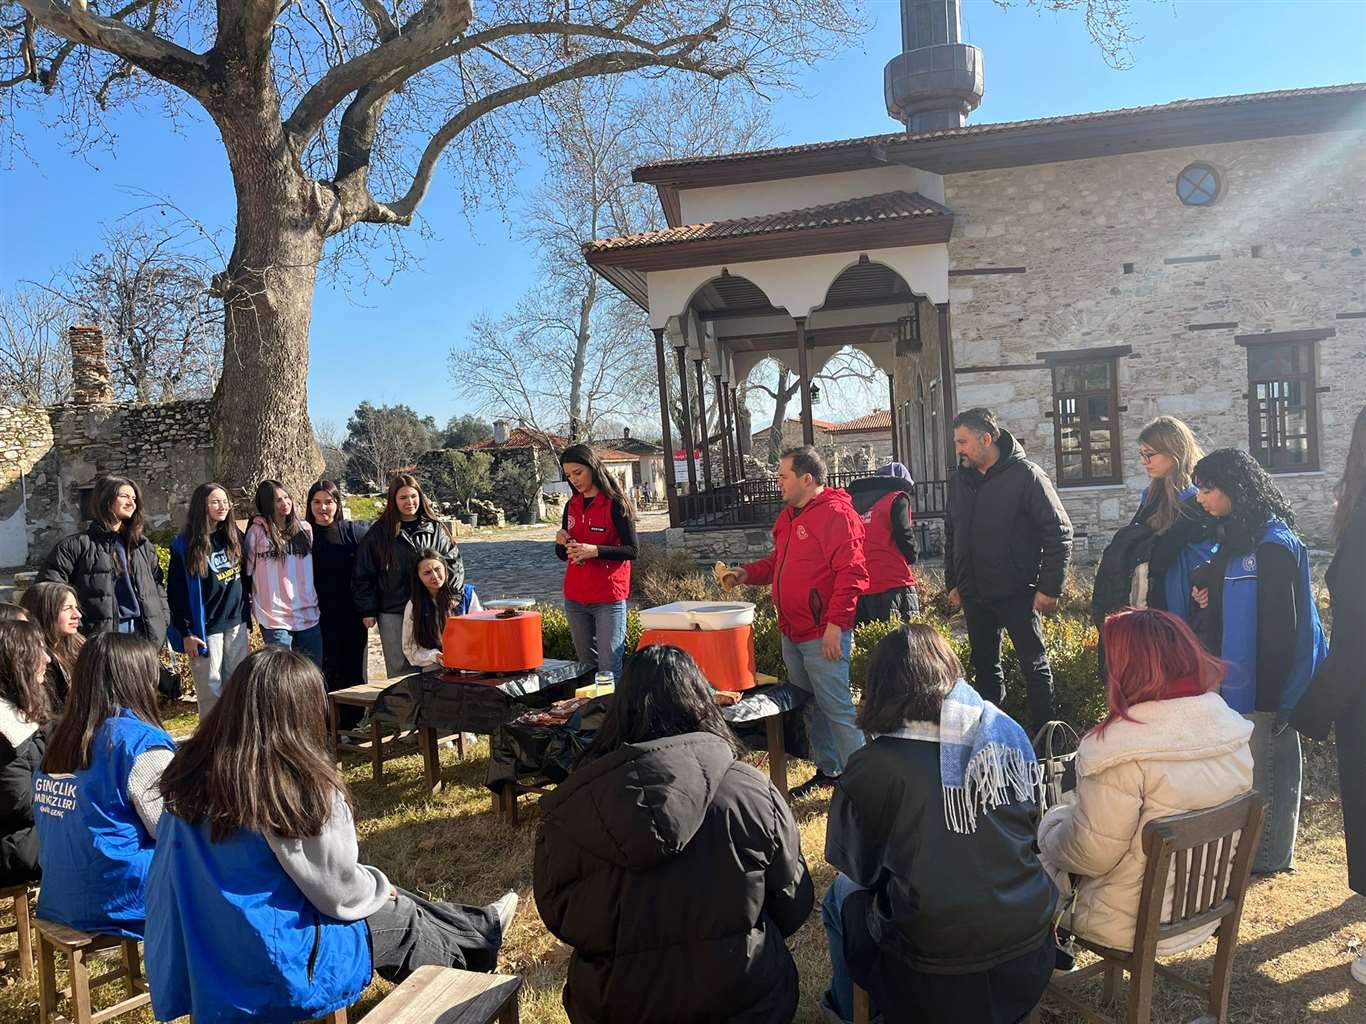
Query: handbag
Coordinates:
[1056,745]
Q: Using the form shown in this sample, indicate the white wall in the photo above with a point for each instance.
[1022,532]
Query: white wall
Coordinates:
[728,202]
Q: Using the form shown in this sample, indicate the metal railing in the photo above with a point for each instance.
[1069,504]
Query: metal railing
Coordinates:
[758,502]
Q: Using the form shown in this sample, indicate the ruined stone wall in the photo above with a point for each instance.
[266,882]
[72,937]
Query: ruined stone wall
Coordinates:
[1111,256]
[25,451]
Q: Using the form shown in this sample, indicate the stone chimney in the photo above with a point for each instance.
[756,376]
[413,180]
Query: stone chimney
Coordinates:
[626,433]
[90,383]
[936,81]
[500,431]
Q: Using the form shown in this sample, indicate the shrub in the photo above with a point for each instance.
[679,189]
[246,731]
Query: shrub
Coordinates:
[558,642]
[516,484]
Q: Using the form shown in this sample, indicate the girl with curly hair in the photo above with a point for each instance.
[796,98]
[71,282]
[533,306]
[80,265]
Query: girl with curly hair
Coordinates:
[1253,606]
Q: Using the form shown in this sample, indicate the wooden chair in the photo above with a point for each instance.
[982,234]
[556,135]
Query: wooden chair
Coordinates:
[450,996]
[22,954]
[79,947]
[1210,885]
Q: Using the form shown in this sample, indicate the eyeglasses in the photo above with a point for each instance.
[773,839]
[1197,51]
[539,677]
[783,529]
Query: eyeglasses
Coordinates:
[1147,455]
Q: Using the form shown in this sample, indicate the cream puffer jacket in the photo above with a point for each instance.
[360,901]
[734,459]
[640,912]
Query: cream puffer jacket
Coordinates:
[1180,755]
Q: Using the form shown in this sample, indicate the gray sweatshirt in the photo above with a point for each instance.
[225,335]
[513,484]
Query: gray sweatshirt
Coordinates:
[325,867]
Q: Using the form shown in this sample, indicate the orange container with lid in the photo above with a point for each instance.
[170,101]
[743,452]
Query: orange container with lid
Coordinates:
[725,656]
[491,641]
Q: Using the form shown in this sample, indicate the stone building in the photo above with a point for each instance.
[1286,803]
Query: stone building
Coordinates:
[1078,274]
[50,456]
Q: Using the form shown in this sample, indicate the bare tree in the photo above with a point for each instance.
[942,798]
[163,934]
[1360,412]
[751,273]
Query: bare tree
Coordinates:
[335,114]
[328,437]
[35,362]
[848,366]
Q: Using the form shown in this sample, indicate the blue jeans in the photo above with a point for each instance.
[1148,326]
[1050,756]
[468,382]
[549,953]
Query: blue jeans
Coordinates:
[308,642]
[840,997]
[599,632]
[1277,773]
[128,625]
[831,728]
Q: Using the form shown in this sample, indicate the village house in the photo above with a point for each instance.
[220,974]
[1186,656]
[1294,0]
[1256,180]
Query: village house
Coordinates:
[1079,274]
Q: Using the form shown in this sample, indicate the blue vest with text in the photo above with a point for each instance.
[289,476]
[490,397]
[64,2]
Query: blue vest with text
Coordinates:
[231,937]
[1239,647]
[94,848]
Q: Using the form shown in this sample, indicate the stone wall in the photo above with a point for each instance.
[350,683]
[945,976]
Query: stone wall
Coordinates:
[1112,257]
[25,450]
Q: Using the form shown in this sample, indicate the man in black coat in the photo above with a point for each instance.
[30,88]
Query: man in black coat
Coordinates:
[1007,540]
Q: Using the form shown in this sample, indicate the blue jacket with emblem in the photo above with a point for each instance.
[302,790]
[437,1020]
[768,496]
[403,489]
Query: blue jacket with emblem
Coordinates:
[95,850]
[231,937]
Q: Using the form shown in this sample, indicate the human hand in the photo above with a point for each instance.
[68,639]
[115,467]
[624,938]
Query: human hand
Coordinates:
[369,622]
[830,642]
[1045,604]
[732,578]
[581,553]
[562,538]
[955,598]
[1201,596]
[192,645]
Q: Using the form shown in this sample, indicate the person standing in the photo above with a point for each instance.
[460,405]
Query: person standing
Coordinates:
[818,572]
[112,566]
[597,541]
[1007,540]
[336,542]
[387,557]
[280,563]
[1262,620]
[1336,696]
[210,611]
[883,501]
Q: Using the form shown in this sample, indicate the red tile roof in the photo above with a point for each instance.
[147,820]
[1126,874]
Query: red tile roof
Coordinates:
[889,206]
[526,437]
[651,171]
[878,419]
[791,421]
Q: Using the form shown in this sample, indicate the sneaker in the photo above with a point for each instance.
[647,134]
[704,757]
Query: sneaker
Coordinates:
[1359,969]
[506,909]
[818,781]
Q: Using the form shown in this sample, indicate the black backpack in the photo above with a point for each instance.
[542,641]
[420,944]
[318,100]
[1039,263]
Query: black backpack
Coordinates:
[1130,547]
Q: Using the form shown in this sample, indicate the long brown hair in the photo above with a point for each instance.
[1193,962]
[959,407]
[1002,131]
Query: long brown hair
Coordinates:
[603,480]
[387,526]
[911,671]
[1349,488]
[260,761]
[43,602]
[199,531]
[116,671]
[21,670]
[430,612]
[1168,436]
[130,530]
[293,539]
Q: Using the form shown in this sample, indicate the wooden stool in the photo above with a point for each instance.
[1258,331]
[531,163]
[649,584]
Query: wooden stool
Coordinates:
[22,954]
[335,1017]
[450,996]
[78,947]
[364,697]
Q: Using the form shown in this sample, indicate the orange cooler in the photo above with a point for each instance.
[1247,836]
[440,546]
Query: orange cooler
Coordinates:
[725,656]
[490,641]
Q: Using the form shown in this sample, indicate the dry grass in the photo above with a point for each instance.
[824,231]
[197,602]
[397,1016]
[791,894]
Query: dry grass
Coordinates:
[1299,931]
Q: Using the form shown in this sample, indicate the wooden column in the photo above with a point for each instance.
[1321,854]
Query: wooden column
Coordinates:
[687,418]
[804,373]
[891,408]
[666,429]
[723,429]
[708,482]
[947,386]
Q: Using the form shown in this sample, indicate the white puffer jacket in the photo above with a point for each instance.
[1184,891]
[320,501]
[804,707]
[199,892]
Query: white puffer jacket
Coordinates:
[1180,755]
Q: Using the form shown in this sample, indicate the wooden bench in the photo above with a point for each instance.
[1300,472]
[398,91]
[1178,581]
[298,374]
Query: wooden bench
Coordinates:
[22,953]
[372,737]
[451,997]
[79,947]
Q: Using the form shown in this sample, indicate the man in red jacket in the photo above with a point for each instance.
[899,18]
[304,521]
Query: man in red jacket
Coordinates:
[818,572]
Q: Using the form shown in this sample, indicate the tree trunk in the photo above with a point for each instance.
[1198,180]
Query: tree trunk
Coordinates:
[776,441]
[261,425]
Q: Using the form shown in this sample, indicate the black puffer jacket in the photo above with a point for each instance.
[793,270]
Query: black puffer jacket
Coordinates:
[675,871]
[379,589]
[1005,531]
[22,745]
[934,891]
[86,562]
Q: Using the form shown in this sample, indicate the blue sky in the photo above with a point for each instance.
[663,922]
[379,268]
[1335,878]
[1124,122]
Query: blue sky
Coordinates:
[389,343]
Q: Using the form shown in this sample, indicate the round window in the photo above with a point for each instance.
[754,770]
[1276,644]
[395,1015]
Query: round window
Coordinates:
[1198,185]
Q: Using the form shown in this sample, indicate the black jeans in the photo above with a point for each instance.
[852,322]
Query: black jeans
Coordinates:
[1350,733]
[1015,615]
[411,932]
[903,601]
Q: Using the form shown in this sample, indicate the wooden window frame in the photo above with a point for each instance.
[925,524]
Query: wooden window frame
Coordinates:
[1308,340]
[1057,361]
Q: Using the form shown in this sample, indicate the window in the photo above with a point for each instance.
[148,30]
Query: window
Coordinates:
[1198,185]
[1086,415]
[1282,404]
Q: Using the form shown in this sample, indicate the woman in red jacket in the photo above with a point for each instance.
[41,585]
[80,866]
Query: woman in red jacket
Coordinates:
[597,539]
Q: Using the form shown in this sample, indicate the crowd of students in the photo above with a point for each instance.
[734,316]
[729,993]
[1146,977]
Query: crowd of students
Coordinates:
[670,867]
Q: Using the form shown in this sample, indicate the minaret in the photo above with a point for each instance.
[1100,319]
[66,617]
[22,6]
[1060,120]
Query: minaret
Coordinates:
[936,81]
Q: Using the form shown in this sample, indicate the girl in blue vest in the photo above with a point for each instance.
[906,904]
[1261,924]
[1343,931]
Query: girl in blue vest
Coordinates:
[435,599]
[95,799]
[597,539]
[210,607]
[258,907]
[1254,607]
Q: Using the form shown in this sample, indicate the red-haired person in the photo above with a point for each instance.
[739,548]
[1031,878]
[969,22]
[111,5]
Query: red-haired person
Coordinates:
[1168,745]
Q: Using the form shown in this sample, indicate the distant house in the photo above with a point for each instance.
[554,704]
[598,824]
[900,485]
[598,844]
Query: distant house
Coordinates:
[622,464]
[843,443]
[792,435]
